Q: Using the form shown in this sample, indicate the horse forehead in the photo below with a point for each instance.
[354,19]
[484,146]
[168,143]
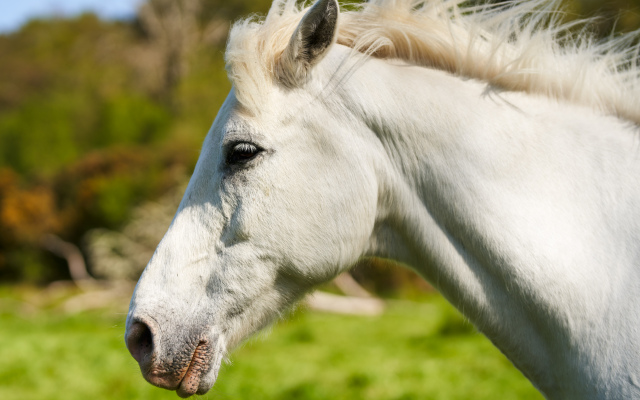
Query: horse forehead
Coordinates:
[237,120]
[232,118]
[288,115]
[266,131]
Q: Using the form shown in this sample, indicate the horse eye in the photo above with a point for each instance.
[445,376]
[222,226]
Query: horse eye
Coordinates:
[242,152]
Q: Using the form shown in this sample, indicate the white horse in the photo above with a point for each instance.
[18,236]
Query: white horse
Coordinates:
[485,148]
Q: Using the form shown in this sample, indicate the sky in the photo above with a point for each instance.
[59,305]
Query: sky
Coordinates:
[14,13]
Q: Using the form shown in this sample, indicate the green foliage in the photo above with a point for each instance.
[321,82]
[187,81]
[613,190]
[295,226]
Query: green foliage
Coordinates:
[39,136]
[609,16]
[231,10]
[130,119]
[83,134]
[80,92]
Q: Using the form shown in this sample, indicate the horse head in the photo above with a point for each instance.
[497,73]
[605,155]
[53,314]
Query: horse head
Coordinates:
[282,199]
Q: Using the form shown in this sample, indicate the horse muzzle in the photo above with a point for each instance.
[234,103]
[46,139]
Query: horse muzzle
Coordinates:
[189,365]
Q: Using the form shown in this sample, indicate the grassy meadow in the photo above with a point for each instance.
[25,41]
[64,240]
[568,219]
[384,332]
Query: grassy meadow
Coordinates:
[415,350]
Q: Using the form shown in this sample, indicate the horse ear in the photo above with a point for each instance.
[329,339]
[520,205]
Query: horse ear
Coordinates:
[310,42]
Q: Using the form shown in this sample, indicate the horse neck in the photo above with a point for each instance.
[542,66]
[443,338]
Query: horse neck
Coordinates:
[521,211]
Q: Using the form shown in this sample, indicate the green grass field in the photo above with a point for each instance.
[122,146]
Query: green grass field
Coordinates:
[419,350]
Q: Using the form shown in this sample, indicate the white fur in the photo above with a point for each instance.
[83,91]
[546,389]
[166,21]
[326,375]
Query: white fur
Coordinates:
[522,209]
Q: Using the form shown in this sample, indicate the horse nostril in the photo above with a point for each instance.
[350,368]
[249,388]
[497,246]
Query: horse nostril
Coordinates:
[140,342]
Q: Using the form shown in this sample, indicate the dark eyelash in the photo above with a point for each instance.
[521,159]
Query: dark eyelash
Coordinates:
[242,152]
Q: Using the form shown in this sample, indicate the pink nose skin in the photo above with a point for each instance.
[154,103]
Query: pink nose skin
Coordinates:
[140,342]
[183,373]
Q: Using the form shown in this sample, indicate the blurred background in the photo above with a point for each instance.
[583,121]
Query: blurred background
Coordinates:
[103,108]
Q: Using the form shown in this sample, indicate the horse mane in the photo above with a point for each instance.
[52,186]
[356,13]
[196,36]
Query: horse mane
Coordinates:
[518,46]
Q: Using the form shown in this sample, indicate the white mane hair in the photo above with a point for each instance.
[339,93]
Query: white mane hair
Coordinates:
[517,46]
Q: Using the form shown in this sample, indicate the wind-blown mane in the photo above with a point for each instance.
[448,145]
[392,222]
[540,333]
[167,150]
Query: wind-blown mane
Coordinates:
[518,46]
